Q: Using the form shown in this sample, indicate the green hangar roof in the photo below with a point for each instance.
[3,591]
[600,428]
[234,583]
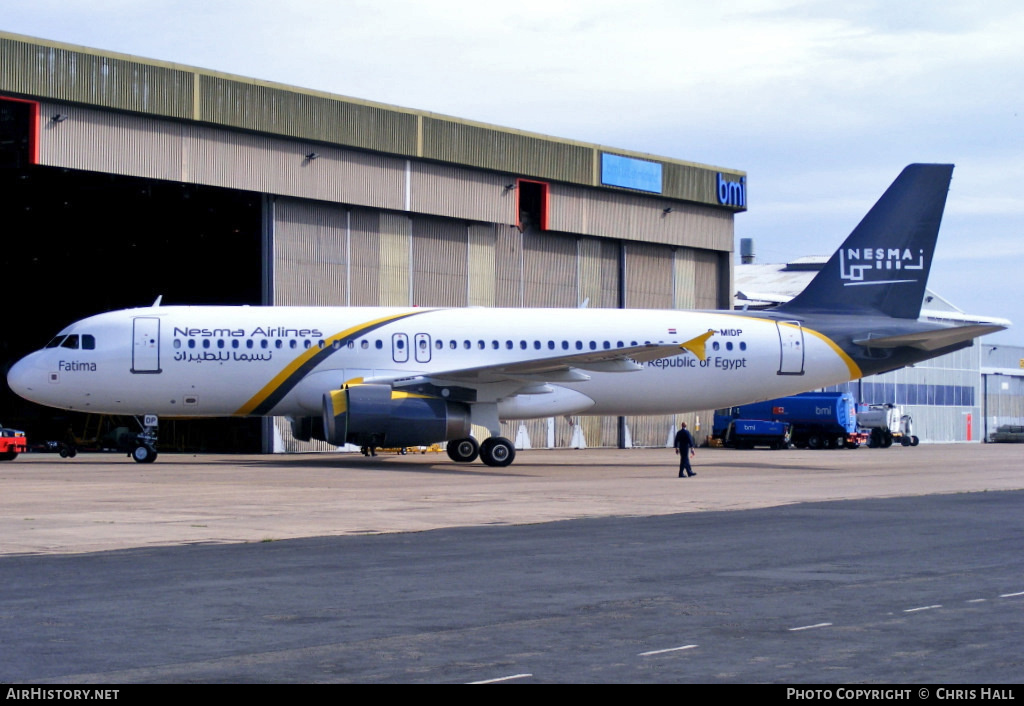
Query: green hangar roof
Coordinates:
[35,68]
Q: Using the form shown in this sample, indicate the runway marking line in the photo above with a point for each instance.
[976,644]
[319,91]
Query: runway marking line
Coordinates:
[670,649]
[501,679]
[811,627]
[1012,595]
[927,607]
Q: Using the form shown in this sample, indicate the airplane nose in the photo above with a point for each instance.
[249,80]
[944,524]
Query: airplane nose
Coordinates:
[23,377]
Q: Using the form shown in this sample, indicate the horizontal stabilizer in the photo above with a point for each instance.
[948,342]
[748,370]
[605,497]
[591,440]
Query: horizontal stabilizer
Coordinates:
[931,340]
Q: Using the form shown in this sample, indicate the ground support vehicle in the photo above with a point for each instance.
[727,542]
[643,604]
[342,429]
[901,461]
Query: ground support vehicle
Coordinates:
[12,443]
[818,420]
[886,424]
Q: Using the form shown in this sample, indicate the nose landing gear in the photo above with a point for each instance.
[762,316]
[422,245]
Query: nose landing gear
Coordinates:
[144,450]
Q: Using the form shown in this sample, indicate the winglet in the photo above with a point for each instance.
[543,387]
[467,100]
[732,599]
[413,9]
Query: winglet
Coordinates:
[697,345]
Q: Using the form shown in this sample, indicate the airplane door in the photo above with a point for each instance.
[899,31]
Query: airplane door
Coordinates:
[400,348]
[145,344]
[791,344]
[422,342]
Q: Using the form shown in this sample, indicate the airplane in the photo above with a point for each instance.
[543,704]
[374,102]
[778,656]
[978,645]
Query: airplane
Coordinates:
[399,377]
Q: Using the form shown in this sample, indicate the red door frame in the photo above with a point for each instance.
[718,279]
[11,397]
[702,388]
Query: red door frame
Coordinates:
[33,132]
[543,201]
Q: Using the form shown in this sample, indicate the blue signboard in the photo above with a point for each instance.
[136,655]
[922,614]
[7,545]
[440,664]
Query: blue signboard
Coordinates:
[630,173]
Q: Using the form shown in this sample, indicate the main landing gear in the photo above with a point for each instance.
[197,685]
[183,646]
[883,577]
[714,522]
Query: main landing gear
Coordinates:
[495,451]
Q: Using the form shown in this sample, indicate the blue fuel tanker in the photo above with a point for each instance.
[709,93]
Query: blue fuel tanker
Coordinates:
[818,420]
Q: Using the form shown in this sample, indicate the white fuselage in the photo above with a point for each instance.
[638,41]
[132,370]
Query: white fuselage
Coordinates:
[238,361]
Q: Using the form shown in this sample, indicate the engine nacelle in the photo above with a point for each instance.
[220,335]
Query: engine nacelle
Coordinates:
[376,415]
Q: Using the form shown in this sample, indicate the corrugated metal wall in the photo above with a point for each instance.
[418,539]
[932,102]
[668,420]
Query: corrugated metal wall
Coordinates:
[74,75]
[631,216]
[147,147]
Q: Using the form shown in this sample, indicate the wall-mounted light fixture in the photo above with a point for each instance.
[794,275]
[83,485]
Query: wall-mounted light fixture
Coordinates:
[311,156]
[666,211]
[58,117]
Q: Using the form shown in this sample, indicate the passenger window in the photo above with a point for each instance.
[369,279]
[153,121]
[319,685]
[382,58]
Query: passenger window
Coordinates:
[177,343]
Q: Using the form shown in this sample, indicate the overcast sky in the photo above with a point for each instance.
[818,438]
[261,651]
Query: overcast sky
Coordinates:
[821,103]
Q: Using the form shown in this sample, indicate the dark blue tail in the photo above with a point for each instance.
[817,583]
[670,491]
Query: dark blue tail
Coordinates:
[882,268]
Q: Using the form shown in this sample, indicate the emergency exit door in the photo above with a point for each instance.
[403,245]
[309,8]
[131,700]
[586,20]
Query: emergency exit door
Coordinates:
[791,345]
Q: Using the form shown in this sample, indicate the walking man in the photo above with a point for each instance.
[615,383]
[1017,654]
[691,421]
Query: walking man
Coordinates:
[685,448]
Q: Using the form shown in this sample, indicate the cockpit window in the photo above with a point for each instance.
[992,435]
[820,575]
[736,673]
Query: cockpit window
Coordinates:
[73,341]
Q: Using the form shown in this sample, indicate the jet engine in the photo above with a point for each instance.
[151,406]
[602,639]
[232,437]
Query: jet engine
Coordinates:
[376,415]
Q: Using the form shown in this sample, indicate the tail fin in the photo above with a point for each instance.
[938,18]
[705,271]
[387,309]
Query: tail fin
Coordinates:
[882,268]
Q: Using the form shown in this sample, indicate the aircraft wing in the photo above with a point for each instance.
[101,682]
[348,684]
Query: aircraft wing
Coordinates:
[571,367]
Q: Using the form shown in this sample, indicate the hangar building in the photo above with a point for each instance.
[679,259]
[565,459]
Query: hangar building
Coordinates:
[123,179]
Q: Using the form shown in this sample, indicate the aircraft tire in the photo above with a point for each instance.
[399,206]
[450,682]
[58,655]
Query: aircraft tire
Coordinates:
[143,454]
[463,450]
[497,451]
